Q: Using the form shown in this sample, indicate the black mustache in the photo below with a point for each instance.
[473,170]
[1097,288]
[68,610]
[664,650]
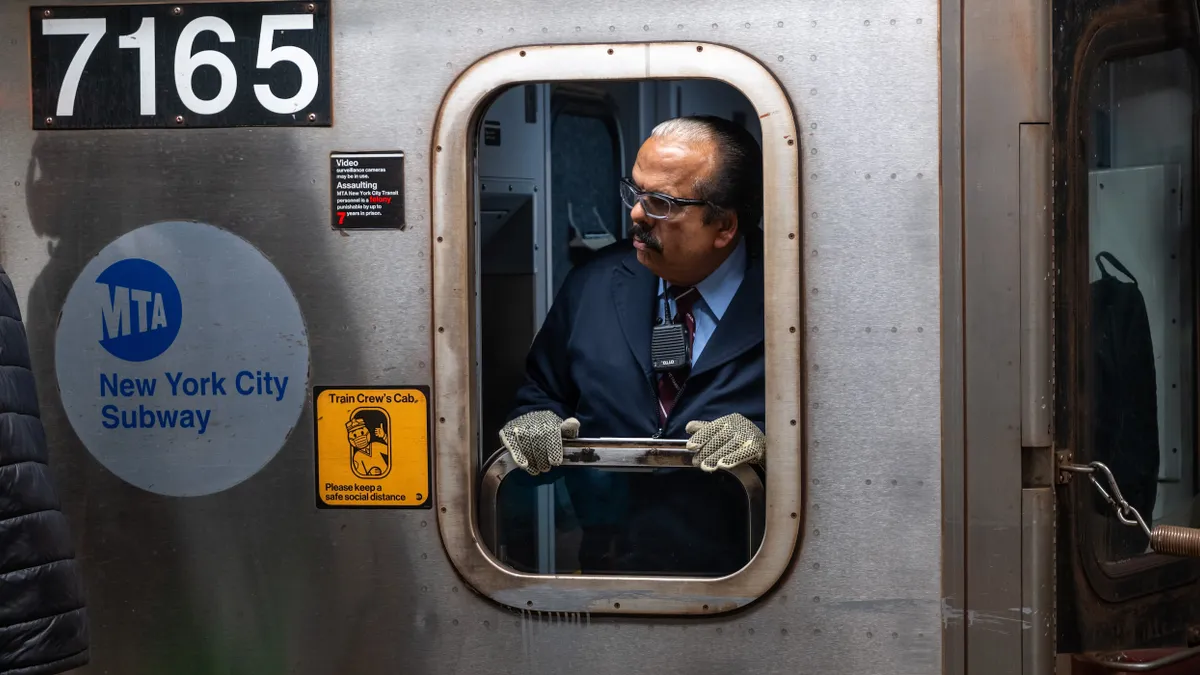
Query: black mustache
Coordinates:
[645,236]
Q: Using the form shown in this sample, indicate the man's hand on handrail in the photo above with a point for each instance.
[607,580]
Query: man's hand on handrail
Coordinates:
[725,442]
[535,439]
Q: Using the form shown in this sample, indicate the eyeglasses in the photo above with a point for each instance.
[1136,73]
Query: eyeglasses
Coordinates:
[655,204]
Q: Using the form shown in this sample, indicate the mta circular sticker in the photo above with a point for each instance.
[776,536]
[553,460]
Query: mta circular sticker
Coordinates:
[182,358]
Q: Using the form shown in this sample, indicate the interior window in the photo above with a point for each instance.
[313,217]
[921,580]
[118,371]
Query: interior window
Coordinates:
[1141,382]
[585,156]
[642,509]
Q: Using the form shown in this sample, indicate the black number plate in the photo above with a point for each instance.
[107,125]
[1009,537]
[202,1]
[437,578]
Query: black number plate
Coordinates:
[226,64]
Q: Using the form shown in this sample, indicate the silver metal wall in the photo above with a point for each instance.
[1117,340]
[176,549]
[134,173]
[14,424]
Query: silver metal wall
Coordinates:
[256,580]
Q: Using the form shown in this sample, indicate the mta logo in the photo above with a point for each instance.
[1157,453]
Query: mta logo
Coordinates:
[141,310]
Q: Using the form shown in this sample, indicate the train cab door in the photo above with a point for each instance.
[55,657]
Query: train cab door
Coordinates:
[1125,99]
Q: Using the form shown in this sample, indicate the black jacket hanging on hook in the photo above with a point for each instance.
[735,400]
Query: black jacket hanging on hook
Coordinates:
[1124,394]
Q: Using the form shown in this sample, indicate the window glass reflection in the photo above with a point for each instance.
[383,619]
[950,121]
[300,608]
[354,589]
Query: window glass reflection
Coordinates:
[1139,373]
[626,521]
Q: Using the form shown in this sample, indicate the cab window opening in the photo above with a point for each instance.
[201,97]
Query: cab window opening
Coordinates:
[625,514]
[1133,267]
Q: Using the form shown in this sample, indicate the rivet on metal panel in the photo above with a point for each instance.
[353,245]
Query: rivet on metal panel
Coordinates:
[791,235]
[705,607]
[779,58]
[610,52]
[545,30]
[779,24]
[715,26]
[868,176]
[699,48]
[47,14]
[577,29]
[612,28]
[443,509]
[616,605]
[310,7]
[918,21]
[813,57]
[179,119]
[439,148]
[49,120]
[893,176]
[678,26]
[312,117]
[646,27]
[177,11]
[893,22]
[867,22]
[439,239]
[791,142]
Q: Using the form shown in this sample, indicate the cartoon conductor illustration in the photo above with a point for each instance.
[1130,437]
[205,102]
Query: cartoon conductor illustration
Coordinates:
[370,449]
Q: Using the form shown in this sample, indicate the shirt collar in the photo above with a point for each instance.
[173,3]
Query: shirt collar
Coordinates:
[717,289]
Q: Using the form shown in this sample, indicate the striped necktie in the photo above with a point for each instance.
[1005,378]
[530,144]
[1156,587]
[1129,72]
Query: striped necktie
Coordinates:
[671,382]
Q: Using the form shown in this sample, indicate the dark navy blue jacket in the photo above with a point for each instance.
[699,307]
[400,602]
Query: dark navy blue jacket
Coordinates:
[591,358]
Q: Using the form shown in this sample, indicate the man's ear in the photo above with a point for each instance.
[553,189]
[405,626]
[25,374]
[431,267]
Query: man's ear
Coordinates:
[727,229]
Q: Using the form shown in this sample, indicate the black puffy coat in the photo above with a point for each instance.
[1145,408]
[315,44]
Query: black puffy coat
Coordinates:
[43,620]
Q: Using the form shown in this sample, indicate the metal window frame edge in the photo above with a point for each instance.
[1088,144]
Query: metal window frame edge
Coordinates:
[456,459]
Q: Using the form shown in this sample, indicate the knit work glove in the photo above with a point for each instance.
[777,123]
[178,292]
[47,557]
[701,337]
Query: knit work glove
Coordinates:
[725,442]
[535,439]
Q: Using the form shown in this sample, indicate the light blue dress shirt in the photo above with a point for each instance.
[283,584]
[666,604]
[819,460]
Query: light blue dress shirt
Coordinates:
[716,292]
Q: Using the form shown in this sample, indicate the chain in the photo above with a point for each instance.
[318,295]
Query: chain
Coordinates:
[1125,513]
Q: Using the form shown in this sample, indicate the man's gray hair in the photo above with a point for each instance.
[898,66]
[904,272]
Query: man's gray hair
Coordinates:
[736,182]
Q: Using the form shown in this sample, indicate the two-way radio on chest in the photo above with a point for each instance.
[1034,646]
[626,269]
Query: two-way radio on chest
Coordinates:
[670,349]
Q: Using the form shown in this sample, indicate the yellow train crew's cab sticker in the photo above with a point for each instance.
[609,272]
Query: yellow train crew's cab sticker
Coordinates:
[372,447]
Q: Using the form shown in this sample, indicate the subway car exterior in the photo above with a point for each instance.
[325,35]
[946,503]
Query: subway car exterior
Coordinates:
[255,240]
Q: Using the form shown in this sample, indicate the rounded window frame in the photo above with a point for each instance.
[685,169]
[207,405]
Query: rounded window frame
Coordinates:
[454,338]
